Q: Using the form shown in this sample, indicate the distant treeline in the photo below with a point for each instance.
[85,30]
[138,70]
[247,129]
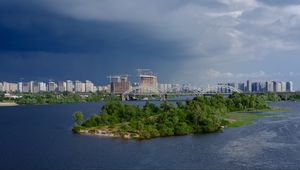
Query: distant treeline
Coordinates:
[67,97]
[55,98]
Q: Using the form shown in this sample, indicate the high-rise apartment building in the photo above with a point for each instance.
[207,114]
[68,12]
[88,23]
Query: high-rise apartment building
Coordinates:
[96,89]
[52,86]
[26,87]
[13,87]
[283,86]
[165,88]
[277,86]
[20,87]
[70,86]
[36,87]
[248,86]
[231,84]
[262,87]
[9,87]
[89,86]
[79,86]
[43,86]
[176,88]
[31,86]
[254,87]
[269,86]
[241,87]
[5,86]
[1,87]
[289,86]
[62,86]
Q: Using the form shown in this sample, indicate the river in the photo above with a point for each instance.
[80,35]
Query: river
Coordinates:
[40,137]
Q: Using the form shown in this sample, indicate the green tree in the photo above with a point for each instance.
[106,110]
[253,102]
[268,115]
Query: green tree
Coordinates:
[78,118]
[183,129]
[180,104]
[1,97]
[93,121]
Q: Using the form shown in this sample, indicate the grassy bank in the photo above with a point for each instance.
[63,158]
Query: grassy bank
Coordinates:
[238,119]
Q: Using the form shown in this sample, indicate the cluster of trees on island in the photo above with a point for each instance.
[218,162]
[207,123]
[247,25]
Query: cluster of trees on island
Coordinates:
[197,115]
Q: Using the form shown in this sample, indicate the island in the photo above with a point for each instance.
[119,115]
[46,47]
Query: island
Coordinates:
[194,116]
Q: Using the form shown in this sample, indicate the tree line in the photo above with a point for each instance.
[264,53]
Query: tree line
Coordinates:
[58,98]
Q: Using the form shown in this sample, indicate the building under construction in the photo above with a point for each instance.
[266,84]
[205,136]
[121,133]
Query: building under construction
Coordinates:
[119,84]
[147,78]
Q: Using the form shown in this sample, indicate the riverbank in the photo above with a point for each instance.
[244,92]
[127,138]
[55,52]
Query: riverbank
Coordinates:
[108,132]
[8,104]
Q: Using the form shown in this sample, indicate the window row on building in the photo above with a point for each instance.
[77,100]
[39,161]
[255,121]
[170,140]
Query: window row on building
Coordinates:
[61,86]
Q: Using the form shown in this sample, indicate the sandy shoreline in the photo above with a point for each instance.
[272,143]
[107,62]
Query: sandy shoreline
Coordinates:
[8,104]
[107,133]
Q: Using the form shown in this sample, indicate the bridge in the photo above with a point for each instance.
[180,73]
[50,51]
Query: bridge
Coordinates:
[147,91]
[220,89]
[142,91]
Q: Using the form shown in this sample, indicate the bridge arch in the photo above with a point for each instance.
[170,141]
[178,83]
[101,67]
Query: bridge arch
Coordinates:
[225,89]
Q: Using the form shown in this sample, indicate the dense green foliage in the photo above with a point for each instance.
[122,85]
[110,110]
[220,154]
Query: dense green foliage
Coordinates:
[78,119]
[198,115]
[95,97]
[273,97]
[57,98]
[67,97]
[293,97]
[1,97]
[49,98]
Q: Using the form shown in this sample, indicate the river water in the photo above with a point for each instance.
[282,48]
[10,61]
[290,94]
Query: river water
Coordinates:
[39,137]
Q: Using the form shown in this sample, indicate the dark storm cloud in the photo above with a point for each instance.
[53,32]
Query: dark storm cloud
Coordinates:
[186,41]
[36,43]
[35,30]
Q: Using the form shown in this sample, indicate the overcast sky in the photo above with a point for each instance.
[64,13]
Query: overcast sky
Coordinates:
[190,41]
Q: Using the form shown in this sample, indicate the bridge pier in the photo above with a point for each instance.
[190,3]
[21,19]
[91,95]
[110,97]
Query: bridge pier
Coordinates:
[163,97]
[124,97]
[145,91]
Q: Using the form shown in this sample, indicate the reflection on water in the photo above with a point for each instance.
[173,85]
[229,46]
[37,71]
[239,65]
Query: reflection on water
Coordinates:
[39,137]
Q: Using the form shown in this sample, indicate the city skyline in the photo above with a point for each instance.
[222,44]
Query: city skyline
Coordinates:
[119,84]
[198,42]
[132,80]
